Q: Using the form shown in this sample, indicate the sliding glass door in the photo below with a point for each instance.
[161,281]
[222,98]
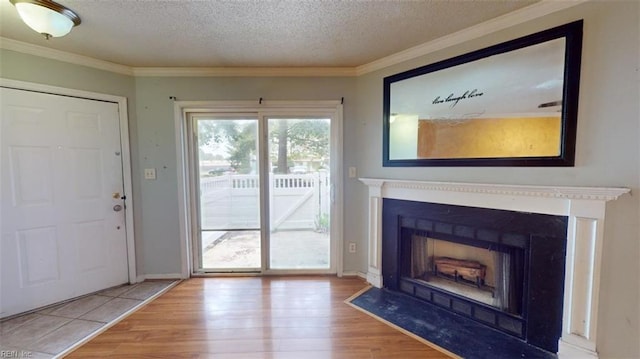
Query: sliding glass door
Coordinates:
[262,193]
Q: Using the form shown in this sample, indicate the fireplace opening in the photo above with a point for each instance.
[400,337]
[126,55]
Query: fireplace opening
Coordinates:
[478,272]
[503,269]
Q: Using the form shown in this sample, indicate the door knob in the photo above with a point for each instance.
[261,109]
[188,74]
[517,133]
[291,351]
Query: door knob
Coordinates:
[117,208]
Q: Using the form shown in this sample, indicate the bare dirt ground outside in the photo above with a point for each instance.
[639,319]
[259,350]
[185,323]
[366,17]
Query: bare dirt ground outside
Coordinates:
[301,249]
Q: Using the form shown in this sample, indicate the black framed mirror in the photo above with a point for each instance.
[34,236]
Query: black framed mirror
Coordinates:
[511,104]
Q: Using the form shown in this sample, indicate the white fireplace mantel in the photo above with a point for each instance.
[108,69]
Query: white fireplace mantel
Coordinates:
[584,206]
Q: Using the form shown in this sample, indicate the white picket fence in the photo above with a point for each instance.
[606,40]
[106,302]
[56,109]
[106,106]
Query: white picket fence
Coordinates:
[297,201]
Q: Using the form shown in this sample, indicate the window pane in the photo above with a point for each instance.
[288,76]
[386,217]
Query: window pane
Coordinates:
[299,193]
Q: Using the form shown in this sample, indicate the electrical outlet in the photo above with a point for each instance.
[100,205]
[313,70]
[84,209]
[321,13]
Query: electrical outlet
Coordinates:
[352,247]
[150,173]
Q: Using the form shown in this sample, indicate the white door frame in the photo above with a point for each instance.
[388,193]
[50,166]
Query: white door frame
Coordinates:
[125,148]
[185,207]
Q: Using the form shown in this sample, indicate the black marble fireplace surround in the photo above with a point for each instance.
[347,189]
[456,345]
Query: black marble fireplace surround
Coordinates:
[536,246]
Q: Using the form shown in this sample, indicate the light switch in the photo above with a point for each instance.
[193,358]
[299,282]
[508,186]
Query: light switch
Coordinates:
[352,172]
[150,173]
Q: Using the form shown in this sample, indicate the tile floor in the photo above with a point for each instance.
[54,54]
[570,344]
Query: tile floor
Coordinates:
[51,331]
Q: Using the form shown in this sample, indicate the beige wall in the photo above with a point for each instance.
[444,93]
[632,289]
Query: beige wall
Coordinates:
[607,151]
[156,142]
[607,154]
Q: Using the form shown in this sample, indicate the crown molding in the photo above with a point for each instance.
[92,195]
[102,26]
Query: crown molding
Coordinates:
[537,10]
[41,51]
[528,13]
[244,71]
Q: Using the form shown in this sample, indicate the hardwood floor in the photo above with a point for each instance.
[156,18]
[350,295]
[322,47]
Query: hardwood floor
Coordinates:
[255,317]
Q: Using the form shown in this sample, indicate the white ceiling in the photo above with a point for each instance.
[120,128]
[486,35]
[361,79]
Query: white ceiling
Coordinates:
[255,33]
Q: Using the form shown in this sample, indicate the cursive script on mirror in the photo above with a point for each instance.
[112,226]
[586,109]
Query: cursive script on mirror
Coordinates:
[455,99]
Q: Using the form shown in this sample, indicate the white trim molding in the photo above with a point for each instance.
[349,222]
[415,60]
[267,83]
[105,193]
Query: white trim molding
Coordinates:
[584,207]
[244,71]
[53,54]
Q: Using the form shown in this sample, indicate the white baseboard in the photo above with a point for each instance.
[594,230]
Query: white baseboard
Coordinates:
[168,276]
[569,351]
[354,274]
[374,279]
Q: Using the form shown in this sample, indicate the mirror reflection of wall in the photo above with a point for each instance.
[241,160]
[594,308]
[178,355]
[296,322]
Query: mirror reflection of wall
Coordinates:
[489,137]
[411,137]
[403,136]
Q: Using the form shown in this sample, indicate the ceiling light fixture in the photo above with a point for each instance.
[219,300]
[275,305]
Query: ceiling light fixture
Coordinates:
[46,17]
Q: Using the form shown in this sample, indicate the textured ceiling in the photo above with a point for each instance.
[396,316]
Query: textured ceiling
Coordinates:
[252,33]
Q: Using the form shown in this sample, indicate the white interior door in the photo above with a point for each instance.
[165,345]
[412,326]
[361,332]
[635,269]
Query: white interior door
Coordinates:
[62,215]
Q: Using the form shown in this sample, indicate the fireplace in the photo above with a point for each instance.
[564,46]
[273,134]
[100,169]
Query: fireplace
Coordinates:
[491,275]
[523,286]
[504,269]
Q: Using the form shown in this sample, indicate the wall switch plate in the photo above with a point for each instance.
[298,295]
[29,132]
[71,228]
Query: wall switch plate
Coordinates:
[352,247]
[150,173]
[352,172]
